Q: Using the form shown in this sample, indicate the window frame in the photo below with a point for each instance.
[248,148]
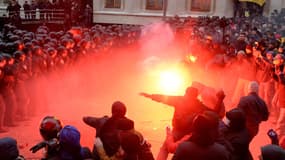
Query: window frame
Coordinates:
[113,9]
[144,7]
[151,10]
[189,7]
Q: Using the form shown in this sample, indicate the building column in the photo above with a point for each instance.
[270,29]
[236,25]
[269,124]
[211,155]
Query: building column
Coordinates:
[275,4]
[283,3]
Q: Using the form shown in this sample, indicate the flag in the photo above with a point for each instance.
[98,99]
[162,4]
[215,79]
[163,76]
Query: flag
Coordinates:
[259,2]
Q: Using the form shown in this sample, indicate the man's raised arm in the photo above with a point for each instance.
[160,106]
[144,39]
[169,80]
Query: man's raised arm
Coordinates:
[165,99]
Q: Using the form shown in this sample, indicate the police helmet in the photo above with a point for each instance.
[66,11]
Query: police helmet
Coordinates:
[50,127]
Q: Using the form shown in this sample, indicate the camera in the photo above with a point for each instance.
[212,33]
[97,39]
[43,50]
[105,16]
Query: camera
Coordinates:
[51,144]
[273,137]
[271,133]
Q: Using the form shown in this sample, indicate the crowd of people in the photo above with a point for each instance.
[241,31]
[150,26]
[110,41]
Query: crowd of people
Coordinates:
[249,50]
[246,54]
[27,57]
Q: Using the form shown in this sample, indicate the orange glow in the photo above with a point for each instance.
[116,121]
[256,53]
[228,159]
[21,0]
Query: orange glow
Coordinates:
[21,47]
[75,31]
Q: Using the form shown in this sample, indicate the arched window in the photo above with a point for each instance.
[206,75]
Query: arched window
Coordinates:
[154,4]
[200,5]
[113,3]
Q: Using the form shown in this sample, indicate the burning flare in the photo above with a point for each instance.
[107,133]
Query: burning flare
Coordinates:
[192,58]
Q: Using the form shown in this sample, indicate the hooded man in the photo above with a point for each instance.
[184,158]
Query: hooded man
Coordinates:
[201,145]
[237,134]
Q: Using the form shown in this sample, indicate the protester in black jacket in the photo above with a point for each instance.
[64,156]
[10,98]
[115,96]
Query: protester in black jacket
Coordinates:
[134,145]
[237,134]
[186,106]
[202,145]
[107,128]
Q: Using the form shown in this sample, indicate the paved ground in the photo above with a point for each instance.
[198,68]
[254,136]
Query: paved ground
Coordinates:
[27,134]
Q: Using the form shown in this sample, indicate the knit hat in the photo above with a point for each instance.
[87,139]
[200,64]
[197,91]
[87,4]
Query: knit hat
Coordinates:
[205,122]
[270,52]
[8,148]
[241,52]
[237,118]
[69,136]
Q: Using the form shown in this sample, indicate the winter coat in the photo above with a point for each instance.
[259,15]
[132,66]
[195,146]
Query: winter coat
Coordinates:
[191,151]
[255,110]
[184,112]
[239,140]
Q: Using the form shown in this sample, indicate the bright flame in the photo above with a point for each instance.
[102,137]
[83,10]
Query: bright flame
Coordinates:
[192,58]
[171,81]
[167,78]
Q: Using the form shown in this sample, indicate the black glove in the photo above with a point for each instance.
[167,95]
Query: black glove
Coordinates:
[221,95]
[273,137]
[38,146]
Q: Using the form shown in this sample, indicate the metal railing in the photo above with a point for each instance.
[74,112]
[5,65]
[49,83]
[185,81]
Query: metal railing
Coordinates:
[38,15]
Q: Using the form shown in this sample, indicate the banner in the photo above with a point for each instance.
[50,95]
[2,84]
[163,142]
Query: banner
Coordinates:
[259,2]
